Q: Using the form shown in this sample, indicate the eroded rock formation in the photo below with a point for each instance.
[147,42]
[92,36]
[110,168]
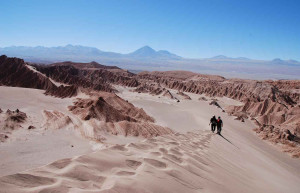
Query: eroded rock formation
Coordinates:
[14,72]
[108,113]
[270,104]
[102,112]
[10,121]
[185,96]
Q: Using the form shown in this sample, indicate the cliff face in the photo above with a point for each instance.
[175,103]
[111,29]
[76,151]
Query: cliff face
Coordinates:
[72,76]
[62,91]
[14,72]
[94,78]
[63,79]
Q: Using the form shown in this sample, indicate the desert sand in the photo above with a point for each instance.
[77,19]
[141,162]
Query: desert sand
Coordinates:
[52,138]
[27,149]
[192,159]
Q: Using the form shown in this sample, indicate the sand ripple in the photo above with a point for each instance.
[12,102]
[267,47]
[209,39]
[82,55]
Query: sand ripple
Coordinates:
[153,165]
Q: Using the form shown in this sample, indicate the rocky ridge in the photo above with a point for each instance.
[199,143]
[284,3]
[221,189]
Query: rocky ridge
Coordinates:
[115,116]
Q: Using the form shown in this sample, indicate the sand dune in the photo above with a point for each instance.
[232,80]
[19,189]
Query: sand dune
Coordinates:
[175,163]
[171,163]
[191,160]
[50,131]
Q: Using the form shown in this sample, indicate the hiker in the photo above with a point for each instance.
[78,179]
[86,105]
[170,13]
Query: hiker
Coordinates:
[213,123]
[219,125]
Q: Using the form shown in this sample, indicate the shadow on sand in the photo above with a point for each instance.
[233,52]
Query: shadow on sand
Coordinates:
[228,141]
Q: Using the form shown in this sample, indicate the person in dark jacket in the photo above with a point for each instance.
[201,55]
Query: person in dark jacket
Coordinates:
[213,123]
[219,125]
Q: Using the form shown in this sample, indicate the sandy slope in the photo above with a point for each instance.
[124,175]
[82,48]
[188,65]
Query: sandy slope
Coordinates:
[239,154]
[27,149]
[58,133]
[193,160]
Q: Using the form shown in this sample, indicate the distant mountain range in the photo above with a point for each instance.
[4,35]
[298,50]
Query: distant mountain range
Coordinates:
[147,58]
[147,52]
[70,51]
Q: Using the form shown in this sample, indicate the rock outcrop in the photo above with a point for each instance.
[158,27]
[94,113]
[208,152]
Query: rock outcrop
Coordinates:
[215,103]
[68,75]
[10,121]
[90,65]
[57,120]
[108,113]
[14,72]
[203,99]
[62,91]
[82,75]
[13,119]
[168,94]
[185,96]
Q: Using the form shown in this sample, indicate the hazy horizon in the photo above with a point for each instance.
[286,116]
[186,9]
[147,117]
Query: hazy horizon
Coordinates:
[70,44]
[147,59]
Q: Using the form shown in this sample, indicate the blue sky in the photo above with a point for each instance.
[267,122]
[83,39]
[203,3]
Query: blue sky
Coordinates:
[196,29]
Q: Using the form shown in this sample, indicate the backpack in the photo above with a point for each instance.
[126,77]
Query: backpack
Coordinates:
[213,121]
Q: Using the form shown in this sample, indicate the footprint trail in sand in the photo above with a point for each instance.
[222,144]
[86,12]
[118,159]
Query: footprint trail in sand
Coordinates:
[177,160]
